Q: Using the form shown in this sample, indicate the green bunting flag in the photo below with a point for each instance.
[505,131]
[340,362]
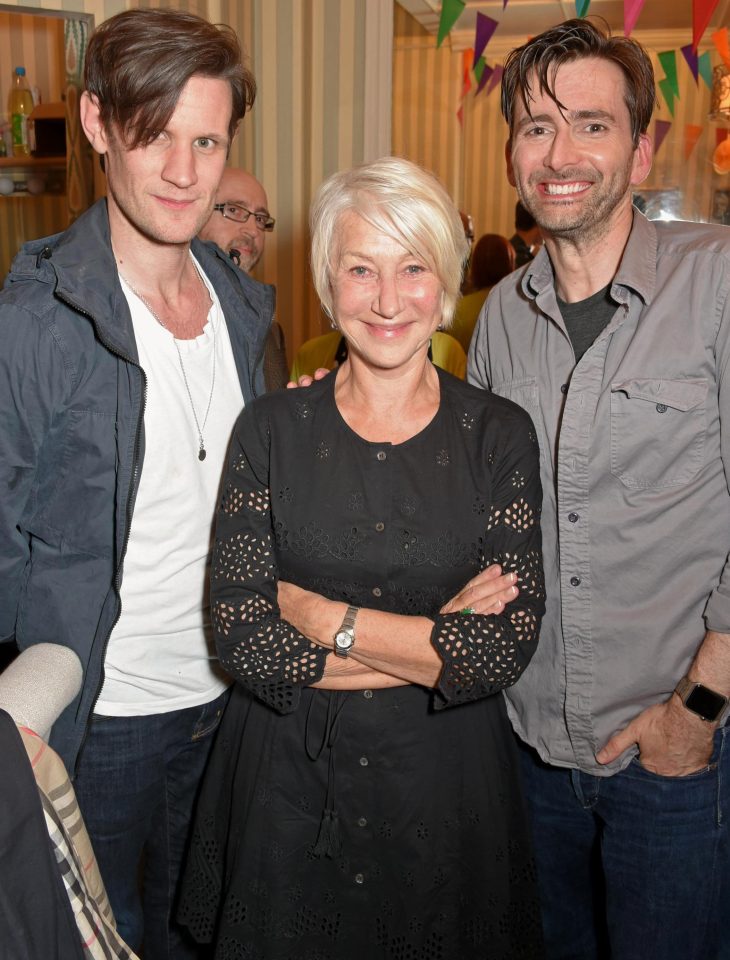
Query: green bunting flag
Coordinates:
[451,10]
[668,60]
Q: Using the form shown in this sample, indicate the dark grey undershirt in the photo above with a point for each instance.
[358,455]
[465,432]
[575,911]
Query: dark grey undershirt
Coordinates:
[585,319]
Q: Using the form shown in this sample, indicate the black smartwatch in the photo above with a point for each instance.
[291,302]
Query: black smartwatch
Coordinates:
[698,698]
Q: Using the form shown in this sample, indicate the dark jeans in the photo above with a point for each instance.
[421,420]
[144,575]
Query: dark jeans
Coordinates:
[633,866]
[137,781]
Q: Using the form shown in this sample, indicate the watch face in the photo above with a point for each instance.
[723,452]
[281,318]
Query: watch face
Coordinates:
[344,640]
[708,704]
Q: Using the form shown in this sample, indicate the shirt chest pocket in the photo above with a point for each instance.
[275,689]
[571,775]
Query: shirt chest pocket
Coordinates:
[657,431]
[524,392]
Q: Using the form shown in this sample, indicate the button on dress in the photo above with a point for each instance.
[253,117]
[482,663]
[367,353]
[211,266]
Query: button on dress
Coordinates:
[373,823]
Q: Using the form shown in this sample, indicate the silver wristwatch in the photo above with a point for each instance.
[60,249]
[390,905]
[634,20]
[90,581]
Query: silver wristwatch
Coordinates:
[344,639]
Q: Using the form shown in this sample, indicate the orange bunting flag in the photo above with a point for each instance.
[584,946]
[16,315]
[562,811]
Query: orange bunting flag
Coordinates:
[722,45]
[466,60]
[692,134]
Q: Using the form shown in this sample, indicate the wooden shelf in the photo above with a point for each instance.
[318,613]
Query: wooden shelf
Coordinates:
[31,162]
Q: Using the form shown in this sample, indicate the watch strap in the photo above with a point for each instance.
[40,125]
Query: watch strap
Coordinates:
[344,638]
[718,701]
[349,620]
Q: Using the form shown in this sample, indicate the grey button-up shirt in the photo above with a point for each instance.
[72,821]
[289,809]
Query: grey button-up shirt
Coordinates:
[636,519]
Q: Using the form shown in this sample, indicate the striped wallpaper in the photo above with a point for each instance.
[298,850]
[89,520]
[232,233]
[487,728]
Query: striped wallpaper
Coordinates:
[341,81]
[323,69]
[469,158]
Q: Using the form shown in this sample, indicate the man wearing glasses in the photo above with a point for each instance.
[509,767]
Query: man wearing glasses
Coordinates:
[238,224]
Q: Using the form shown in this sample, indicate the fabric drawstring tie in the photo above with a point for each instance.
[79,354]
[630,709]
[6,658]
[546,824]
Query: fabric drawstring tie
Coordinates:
[329,840]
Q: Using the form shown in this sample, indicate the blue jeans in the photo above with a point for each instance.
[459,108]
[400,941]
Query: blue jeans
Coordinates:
[136,784]
[634,866]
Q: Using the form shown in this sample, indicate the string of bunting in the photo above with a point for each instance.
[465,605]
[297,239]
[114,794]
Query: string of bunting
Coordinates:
[487,78]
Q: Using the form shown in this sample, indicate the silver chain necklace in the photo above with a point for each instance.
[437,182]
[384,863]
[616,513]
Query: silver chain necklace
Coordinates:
[202,453]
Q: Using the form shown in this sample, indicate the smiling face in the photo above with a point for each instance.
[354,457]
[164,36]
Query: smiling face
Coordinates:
[574,170]
[164,191]
[240,188]
[386,301]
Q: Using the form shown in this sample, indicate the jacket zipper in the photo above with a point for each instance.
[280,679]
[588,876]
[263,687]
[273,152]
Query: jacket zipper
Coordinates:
[127,513]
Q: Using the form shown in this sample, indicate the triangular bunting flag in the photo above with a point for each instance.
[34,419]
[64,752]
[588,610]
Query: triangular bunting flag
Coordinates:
[632,9]
[668,60]
[704,68]
[495,79]
[451,10]
[668,93]
[485,29]
[720,135]
[479,69]
[661,129]
[690,55]
[486,74]
[465,83]
[581,7]
[692,134]
[460,117]
[720,39]
[702,11]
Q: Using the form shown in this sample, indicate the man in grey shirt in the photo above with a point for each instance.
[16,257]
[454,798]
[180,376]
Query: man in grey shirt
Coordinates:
[616,339]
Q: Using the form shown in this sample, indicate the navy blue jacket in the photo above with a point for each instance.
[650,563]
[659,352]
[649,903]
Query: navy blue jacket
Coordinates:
[72,398]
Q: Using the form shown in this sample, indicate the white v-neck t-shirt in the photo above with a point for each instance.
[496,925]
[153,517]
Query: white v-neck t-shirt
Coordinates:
[160,655]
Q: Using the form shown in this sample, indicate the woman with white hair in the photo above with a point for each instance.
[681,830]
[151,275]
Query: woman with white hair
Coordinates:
[363,797]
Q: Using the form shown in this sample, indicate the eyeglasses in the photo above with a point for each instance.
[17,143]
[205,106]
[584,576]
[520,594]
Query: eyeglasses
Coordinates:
[234,211]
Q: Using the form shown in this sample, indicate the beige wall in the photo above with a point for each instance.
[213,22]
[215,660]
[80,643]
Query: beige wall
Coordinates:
[470,160]
[323,69]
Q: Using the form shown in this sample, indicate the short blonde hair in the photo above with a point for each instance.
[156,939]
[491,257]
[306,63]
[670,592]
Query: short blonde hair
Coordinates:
[404,202]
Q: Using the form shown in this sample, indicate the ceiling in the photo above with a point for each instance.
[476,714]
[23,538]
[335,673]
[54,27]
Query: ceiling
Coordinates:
[660,21]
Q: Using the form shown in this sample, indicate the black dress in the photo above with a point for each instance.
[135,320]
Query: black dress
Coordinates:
[369,824]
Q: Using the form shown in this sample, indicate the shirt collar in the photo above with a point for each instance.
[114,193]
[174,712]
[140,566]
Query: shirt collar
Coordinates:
[637,268]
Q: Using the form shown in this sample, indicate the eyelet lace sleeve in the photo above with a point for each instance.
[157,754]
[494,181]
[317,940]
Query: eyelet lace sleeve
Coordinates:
[484,654]
[255,646]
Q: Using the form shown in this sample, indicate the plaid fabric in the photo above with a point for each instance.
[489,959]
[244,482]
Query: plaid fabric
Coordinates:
[74,854]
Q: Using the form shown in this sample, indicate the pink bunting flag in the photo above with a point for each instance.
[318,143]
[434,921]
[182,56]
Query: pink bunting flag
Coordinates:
[661,129]
[495,79]
[702,11]
[690,55]
[485,30]
[692,134]
[632,9]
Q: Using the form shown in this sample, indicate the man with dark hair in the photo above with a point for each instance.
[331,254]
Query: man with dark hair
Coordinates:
[616,339]
[527,237]
[127,350]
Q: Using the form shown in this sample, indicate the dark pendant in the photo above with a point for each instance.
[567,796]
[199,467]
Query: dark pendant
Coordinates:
[202,454]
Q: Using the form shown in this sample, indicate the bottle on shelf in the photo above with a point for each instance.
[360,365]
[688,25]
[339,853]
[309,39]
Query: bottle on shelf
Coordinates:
[20,107]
